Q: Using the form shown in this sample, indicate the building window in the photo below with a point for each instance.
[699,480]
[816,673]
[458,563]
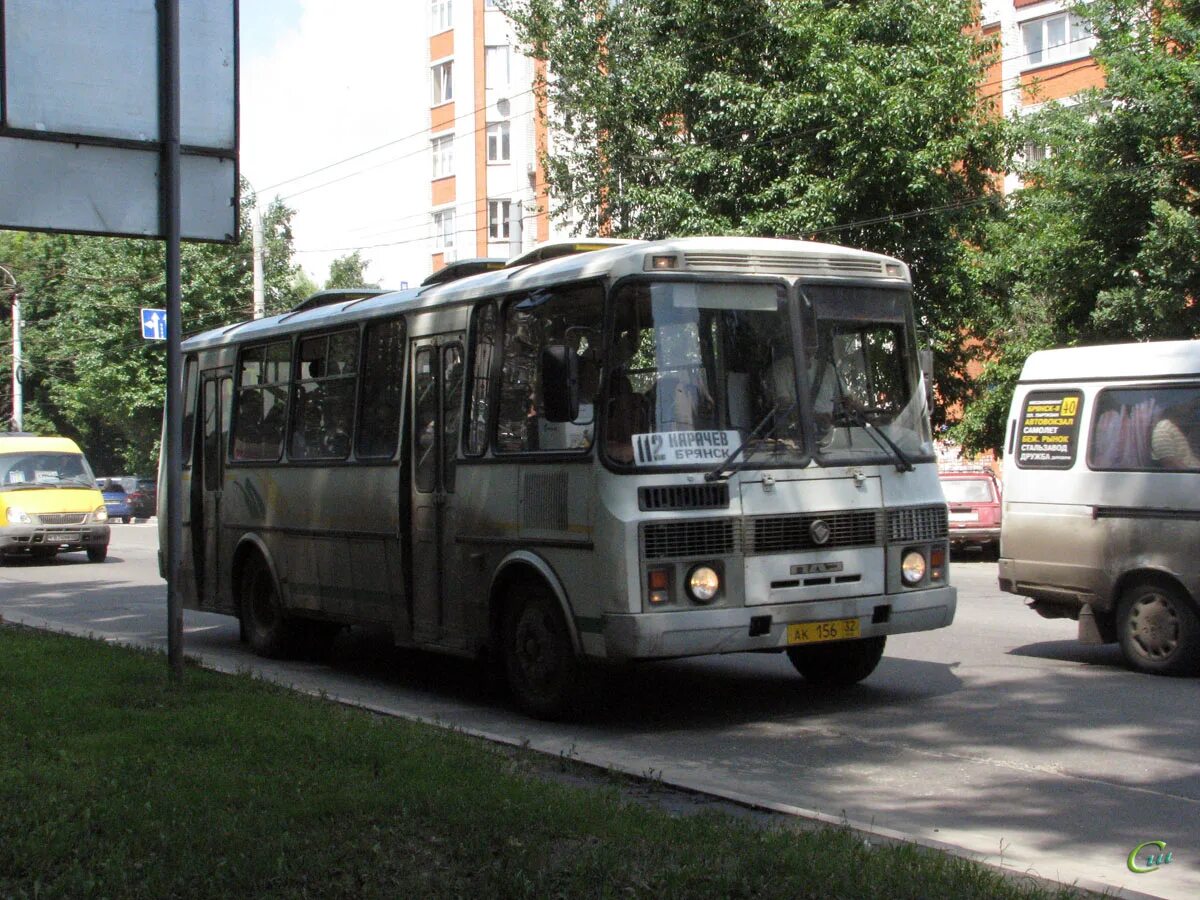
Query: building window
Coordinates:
[499,147]
[443,228]
[443,82]
[440,13]
[1036,153]
[1056,38]
[499,219]
[443,156]
[498,72]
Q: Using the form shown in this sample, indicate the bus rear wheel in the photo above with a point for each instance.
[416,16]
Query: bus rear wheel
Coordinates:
[1159,630]
[269,631]
[840,663]
[540,666]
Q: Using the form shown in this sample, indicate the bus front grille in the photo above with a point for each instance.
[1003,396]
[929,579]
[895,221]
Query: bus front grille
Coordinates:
[684,496]
[62,518]
[918,523]
[685,540]
[785,534]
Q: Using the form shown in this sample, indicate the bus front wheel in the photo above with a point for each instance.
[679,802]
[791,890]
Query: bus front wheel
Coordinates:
[1159,630]
[268,630]
[539,662]
[840,663]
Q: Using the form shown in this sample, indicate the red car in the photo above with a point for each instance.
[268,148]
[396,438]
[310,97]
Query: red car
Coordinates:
[974,499]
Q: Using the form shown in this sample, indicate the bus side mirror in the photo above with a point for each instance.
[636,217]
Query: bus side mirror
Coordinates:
[560,383]
[925,355]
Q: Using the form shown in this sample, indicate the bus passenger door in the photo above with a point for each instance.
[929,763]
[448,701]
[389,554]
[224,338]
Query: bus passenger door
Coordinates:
[437,387]
[216,397]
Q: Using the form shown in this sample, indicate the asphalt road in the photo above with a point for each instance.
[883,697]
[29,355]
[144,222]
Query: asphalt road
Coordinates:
[1000,734]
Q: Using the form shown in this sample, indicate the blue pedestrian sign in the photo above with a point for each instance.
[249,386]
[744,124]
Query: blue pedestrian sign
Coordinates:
[154,324]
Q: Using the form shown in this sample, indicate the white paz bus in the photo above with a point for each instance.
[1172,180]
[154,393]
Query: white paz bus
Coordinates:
[649,450]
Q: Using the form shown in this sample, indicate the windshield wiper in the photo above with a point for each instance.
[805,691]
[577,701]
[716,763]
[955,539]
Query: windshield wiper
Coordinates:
[846,413]
[723,471]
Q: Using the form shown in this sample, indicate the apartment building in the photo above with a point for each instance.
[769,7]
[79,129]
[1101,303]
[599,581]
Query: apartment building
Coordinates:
[487,189]
[1045,55]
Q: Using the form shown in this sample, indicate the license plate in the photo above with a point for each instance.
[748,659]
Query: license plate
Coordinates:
[814,632]
[65,538]
[964,517]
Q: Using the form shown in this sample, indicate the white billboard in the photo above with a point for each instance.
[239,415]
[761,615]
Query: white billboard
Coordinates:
[80,105]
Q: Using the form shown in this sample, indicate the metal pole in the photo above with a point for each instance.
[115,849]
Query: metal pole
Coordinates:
[18,390]
[169,192]
[256,231]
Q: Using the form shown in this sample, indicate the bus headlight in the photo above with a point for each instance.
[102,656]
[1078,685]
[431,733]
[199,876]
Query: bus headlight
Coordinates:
[17,516]
[703,583]
[912,567]
[100,515]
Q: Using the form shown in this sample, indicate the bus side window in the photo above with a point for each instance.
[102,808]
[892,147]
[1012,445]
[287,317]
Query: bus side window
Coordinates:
[326,378]
[382,379]
[483,355]
[262,401]
[569,316]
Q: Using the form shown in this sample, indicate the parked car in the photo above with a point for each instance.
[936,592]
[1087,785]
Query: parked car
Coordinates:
[144,498]
[116,500]
[973,496]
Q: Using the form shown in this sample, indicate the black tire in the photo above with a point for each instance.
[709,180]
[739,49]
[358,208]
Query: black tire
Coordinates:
[839,663]
[540,666]
[126,519]
[1158,629]
[269,631]
[97,553]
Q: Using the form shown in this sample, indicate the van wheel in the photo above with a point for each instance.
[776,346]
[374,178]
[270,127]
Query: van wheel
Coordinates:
[1159,630]
[840,663]
[539,661]
[269,631]
[97,553]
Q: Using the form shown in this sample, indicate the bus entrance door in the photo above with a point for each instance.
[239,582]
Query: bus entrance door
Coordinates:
[437,386]
[216,399]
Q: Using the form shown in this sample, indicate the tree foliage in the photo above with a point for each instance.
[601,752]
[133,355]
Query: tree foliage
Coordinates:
[855,123]
[1103,242]
[349,271]
[88,373]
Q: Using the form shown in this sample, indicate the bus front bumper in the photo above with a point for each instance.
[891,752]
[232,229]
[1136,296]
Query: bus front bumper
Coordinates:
[699,632]
[18,538]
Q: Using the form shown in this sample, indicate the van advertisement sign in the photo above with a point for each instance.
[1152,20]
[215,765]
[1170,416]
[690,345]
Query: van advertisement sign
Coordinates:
[1048,434]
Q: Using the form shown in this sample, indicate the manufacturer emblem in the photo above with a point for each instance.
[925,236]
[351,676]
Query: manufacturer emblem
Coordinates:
[820,532]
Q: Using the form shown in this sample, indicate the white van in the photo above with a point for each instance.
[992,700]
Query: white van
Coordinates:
[1102,497]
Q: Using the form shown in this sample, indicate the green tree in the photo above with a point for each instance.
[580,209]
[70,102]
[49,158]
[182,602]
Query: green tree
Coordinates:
[1103,244]
[349,271]
[856,123]
[88,372]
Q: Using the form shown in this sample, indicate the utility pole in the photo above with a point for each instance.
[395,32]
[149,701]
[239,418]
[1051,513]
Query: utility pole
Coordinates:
[18,389]
[256,231]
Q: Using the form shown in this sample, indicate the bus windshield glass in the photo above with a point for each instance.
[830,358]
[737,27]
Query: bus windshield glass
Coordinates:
[22,471]
[697,368]
[863,373]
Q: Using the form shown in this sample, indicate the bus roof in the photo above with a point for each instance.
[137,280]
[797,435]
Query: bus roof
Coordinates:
[706,255]
[1152,359]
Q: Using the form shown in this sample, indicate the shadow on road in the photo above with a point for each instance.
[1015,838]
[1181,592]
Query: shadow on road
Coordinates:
[1073,651]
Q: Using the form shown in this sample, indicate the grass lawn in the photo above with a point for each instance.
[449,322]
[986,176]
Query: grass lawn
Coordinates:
[114,783]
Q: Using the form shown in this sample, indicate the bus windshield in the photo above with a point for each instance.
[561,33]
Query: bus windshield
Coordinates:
[863,373]
[22,471]
[694,367]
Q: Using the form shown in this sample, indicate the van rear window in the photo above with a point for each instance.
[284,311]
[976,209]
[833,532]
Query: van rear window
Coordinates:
[1146,429]
[1048,433]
